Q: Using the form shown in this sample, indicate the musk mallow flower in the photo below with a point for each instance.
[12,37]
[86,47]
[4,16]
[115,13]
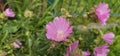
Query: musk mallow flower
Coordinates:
[71,48]
[103,12]
[9,13]
[109,37]
[85,53]
[59,29]
[101,50]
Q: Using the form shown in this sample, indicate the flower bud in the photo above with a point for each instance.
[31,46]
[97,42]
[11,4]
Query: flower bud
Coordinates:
[28,13]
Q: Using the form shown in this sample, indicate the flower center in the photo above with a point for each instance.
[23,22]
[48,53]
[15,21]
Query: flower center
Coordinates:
[60,34]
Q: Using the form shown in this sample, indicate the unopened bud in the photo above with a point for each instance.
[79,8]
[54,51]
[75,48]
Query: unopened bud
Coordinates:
[28,13]
[85,16]
[2,16]
[92,10]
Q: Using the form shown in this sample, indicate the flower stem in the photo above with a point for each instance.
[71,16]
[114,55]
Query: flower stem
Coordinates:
[5,36]
[101,35]
[29,44]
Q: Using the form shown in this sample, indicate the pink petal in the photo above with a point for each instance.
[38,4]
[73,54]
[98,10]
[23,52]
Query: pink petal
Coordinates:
[103,13]
[109,37]
[9,12]
[101,50]
[58,30]
[86,53]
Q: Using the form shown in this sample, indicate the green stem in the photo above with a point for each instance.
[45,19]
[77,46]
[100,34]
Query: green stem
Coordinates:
[5,36]
[101,36]
[12,2]
[101,33]
[29,45]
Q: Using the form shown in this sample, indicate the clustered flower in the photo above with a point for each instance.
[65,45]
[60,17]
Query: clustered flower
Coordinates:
[59,29]
[104,49]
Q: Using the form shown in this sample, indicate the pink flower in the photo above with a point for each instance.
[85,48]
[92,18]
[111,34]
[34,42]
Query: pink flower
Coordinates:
[59,29]
[77,55]
[9,12]
[86,53]
[103,12]
[109,37]
[71,48]
[101,50]
[17,44]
